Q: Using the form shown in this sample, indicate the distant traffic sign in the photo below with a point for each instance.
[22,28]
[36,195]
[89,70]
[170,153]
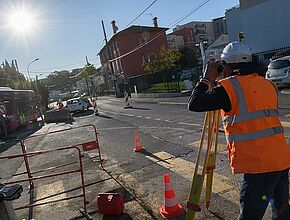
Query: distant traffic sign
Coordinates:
[2,109]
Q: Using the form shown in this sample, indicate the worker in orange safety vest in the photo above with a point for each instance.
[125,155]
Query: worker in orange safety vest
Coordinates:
[60,105]
[255,138]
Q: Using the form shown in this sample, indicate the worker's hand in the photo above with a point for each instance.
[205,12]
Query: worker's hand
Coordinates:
[211,70]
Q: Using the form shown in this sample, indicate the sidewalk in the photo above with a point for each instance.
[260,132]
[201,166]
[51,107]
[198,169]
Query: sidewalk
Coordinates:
[181,100]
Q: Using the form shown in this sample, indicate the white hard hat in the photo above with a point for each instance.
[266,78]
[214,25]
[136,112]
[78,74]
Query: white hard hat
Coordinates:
[236,52]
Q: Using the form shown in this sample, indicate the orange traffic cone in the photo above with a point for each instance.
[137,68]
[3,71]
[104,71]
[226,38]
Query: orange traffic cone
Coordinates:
[138,146]
[170,208]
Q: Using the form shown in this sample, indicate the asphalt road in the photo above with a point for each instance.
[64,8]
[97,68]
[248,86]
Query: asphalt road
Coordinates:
[170,135]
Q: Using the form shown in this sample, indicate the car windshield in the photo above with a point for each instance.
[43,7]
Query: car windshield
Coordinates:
[278,64]
[72,101]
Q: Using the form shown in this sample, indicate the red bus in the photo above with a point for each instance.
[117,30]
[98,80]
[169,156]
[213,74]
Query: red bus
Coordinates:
[21,108]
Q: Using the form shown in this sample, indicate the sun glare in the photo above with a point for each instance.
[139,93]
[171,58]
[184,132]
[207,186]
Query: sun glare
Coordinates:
[20,21]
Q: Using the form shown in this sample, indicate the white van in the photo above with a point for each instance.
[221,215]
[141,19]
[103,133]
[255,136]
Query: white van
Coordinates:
[279,70]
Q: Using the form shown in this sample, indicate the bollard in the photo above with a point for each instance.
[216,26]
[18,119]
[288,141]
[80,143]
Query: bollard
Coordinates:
[95,106]
[126,96]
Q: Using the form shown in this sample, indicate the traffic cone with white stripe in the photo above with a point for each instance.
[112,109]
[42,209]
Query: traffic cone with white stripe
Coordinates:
[170,208]
[138,147]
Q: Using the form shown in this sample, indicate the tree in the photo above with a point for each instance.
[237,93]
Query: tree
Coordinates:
[188,58]
[58,79]
[87,71]
[163,60]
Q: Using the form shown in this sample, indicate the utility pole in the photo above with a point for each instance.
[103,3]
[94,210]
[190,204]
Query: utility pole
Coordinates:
[110,63]
[93,88]
[86,78]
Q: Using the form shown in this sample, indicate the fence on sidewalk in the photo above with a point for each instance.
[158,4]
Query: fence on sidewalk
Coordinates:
[59,168]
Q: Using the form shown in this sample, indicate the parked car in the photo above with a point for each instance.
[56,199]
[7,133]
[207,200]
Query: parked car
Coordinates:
[279,70]
[77,104]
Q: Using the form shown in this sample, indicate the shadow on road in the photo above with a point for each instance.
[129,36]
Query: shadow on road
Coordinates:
[83,113]
[146,153]
[104,116]
[66,121]
[216,215]
[124,216]
[139,108]
[12,139]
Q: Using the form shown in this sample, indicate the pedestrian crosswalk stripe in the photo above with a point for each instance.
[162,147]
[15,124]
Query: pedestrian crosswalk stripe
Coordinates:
[286,124]
[185,169]
[191,124]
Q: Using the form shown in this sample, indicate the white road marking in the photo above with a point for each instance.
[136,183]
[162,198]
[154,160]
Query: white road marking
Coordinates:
[285,124]
[139,116]
[148,117]
[158,138]
[127,114]
[186,168]
[173,103]
[191,124]
[115,128]
[168,121]
[158,119]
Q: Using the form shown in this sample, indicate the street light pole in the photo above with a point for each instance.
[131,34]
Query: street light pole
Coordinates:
[29,66]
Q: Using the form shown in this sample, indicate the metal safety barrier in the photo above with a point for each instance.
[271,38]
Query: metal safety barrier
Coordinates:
[86,146]
[34,178]
[89,145]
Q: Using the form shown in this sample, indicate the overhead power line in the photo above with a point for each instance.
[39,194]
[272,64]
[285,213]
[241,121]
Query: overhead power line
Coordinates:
[142,12]
[160,33]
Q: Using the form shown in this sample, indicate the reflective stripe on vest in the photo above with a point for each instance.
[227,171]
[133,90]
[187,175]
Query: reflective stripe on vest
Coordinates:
[250,136]
[250,116]
[245,116]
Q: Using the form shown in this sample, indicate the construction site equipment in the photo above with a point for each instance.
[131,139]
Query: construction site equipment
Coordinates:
[78,148]
[210,128]
[86,145]
[57,115]
[7,194]
[138,147]
[170,208]
[79,170]
[111,203]
[6,211]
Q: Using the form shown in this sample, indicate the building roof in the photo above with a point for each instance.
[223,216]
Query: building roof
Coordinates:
[220,42]
[135,29]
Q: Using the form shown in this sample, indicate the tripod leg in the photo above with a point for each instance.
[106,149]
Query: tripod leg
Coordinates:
[211,162]
[197,182]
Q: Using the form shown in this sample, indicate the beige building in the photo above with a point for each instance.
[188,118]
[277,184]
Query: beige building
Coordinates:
[203,30]
[175,42]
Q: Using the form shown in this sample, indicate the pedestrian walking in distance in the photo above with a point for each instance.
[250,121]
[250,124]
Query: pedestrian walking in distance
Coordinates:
[255,138]
[95,105]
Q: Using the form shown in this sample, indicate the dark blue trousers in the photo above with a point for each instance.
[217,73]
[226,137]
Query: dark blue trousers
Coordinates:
[258,190]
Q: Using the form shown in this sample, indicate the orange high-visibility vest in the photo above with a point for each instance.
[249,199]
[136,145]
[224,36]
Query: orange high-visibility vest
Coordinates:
[254,133]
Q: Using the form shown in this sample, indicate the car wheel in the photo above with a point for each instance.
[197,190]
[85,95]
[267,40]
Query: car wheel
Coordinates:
[83,108]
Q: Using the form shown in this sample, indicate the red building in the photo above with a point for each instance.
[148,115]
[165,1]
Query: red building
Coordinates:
[128,49]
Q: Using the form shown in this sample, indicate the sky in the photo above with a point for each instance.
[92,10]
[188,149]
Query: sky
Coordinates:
[61,33]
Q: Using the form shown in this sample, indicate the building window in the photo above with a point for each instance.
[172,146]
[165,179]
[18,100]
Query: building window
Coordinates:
[140,41]
[117,48]
[143,60]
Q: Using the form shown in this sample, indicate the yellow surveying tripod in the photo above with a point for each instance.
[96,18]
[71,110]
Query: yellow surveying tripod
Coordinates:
[211,127]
